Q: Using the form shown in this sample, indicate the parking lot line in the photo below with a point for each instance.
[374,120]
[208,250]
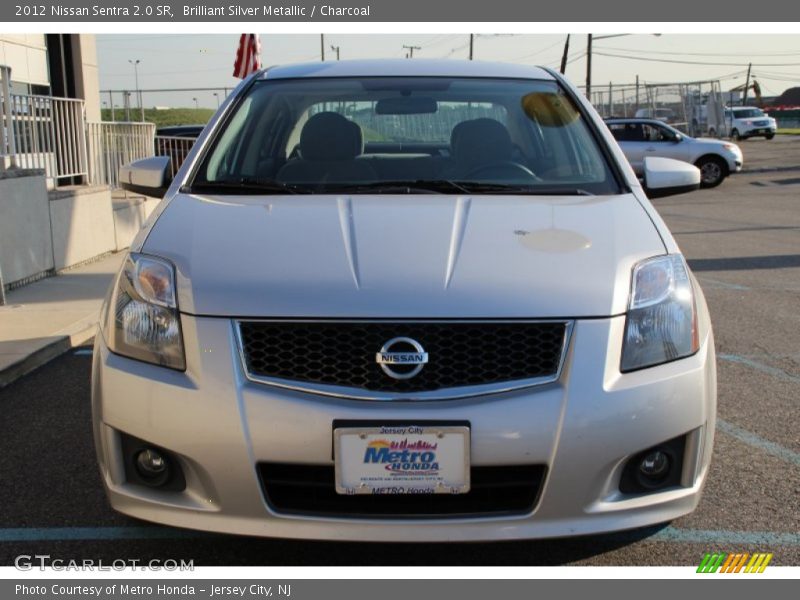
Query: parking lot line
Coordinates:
[723,284]
[758,442]
[779,373]
[668,534]
[60,534]
[724,536]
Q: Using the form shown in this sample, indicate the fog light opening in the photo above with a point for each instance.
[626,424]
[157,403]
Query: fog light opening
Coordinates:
[654,468]
[152,466]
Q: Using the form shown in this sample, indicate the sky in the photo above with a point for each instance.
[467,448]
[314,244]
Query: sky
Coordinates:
[206,60]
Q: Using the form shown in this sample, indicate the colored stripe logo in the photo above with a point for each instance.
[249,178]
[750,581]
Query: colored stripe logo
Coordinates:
[741,562]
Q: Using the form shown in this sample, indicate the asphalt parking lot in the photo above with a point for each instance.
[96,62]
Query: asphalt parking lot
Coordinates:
[742,240]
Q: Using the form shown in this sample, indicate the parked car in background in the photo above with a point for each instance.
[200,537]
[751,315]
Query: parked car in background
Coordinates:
[640,138]
[183,131]
[176,141]
[748,121]
[406,300]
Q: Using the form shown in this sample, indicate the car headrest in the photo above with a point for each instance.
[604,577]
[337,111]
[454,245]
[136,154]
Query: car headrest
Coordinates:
[480,140]
[330,136]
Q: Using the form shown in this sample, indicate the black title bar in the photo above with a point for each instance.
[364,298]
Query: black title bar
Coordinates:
[356,11]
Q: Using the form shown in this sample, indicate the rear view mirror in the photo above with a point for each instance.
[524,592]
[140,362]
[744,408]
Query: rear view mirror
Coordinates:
[668,177]
[147,176]
[406,105]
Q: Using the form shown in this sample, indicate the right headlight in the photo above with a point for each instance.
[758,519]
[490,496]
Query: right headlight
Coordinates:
[661,323]
[142,319]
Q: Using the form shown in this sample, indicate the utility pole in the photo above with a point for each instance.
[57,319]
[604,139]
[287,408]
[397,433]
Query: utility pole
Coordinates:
[2,291]
[216,95]
[322,46]
[589,67]
[564,56]
[746,84]
[589,40]
[471,45]
[637,93]
[335,49]
[138,91]
[411,50]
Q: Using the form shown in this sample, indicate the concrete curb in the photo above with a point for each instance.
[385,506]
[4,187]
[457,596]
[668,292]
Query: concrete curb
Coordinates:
[45,354]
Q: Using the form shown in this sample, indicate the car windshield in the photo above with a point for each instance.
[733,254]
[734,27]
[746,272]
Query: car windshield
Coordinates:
[748,113]
[405,135]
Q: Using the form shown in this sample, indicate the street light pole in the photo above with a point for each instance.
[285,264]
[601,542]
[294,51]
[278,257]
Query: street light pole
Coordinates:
[335,49]
[196,105]
[138,91]
[471,45]
[216,95]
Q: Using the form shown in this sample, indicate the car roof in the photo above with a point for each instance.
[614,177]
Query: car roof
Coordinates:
[406,68]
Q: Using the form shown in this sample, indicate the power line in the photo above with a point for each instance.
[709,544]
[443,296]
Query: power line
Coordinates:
[698,53]
[456,49]
[761,75]
[688,62]
[543,50]
[779,74]
[440,39]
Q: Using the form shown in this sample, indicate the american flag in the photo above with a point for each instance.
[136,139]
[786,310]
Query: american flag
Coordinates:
[248,56]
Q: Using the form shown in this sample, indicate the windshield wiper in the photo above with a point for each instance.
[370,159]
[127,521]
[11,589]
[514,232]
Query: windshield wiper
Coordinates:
[476,187]
[418,186]
[246,186]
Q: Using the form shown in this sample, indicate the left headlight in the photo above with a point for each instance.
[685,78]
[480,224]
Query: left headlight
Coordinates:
[142,319]
[661,324]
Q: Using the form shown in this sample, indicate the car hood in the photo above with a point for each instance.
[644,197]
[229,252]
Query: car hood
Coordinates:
[719,144]
[411,256]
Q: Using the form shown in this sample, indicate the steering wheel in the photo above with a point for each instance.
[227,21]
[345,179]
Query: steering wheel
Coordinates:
[507,166]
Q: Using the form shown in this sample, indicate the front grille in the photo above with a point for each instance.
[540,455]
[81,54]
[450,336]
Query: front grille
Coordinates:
[310,490]
[460,353]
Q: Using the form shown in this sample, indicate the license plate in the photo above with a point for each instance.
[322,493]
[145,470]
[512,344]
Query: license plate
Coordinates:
[430,459]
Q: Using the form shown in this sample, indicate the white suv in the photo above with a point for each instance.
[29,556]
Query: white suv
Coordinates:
[747,121]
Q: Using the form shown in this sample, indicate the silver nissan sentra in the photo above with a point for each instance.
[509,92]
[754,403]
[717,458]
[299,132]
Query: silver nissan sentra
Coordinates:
[405,301]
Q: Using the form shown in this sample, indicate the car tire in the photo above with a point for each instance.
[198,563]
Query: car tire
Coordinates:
[713,171]
[736,136]
[769,136]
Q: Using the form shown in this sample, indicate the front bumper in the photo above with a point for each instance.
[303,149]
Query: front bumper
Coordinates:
[582,428]
[753,131]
